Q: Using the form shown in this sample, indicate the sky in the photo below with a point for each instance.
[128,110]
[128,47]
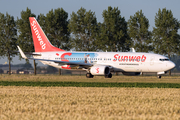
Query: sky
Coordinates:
[127,7]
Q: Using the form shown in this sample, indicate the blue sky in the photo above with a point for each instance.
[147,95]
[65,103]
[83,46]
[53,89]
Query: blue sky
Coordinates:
[127,8]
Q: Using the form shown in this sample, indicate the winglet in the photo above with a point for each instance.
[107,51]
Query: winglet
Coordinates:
[22,53]
[133,50]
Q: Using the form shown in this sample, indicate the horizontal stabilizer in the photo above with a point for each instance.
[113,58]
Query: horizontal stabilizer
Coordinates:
[21,52]
[28,53]
[32,54]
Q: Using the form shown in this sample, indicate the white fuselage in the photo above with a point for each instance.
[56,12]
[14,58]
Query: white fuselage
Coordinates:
[119,61]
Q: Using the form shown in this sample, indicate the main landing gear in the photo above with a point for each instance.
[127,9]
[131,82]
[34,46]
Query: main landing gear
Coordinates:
[159,76]
[89,75]
[108,76]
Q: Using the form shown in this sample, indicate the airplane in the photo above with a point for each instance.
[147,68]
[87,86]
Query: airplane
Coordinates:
[95,63]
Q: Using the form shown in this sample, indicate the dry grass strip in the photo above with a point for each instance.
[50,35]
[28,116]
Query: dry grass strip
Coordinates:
[88,103]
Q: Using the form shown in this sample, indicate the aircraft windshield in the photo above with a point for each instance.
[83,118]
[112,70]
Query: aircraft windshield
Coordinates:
[164,59]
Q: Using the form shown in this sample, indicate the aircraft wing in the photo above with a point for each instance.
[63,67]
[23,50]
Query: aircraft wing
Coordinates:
[85,65]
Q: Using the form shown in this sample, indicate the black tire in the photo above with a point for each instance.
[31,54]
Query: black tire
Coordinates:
[159,76]
[108,76]
[89,75]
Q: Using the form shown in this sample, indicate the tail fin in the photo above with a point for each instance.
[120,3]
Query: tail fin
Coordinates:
[41,42]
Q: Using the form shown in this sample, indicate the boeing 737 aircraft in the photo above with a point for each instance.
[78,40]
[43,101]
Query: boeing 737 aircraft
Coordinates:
[95,63]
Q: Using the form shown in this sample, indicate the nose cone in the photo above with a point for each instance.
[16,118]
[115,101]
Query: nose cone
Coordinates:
[171,65]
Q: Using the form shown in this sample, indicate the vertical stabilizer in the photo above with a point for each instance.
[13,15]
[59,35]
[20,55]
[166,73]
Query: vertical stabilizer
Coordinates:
[41,42]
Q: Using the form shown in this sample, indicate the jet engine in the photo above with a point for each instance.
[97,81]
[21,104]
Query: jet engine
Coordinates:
[131,73]
[100,70]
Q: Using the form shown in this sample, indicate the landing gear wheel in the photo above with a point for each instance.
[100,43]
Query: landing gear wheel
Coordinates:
[159,76]
[108,76]
[89,75]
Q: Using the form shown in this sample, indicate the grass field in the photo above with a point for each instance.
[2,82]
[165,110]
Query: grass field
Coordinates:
[64,78]
[22,102]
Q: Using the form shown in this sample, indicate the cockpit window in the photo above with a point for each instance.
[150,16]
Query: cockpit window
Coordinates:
[164,59]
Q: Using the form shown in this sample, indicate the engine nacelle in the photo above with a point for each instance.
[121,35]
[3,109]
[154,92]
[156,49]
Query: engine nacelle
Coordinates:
[131,73]
[100,70]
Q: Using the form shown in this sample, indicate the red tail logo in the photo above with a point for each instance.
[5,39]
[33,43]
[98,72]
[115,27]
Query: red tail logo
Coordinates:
[41,42]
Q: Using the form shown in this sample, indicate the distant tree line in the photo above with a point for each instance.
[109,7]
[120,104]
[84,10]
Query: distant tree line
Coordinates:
[82,32]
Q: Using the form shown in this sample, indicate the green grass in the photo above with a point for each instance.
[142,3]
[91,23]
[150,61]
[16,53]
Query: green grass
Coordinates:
[101,79]
[89,84]
[97,81]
